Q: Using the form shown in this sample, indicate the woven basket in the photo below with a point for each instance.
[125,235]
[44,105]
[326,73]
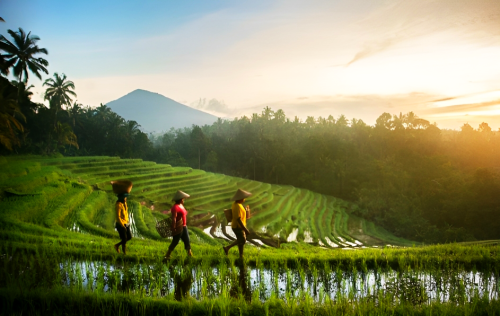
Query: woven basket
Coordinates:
[164,227]
[121,186]
[229,215]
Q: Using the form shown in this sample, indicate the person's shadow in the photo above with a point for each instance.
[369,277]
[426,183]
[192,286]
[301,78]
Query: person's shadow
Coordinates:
[182,284]
[240,287]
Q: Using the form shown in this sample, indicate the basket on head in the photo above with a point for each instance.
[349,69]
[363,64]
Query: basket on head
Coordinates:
[229,215]
[164,227]
[121,186]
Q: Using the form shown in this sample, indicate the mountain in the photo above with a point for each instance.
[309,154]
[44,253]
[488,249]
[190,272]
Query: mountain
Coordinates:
[156,113]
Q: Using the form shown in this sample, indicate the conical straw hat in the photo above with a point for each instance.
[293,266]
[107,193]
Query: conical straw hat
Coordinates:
[121,186]
[180,195]
[240,195]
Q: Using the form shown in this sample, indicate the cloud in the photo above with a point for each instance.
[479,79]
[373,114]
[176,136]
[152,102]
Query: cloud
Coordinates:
[213,106]
[372,49]
[293,55]
[469,107]
[406,20]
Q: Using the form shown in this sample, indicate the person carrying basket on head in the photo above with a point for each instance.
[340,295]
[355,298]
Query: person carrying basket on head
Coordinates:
[122,189]
[179,228]
[239,221]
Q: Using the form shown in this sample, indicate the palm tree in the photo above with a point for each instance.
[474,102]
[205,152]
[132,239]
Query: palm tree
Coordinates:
[410,119]
[9,125]
[357,123]
[59,91]
[24,95]
[74,112]
[414,121]
[384,121]
[20,54]
[398,121]
[25,89]
[421,123]
[267,113]
[103,112]
[342,121]
[5,64]
[279,116]
[131,129]
[310,121]
[64,135]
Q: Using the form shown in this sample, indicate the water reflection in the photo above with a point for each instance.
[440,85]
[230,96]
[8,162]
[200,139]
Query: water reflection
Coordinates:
[239,287]
[182,283]
[240,281]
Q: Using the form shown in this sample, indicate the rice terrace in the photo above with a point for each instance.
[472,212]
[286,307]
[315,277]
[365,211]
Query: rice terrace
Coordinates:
[57,233]
[248,158]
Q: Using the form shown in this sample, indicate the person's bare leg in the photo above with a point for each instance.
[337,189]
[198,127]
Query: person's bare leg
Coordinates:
[117,247]
[226,249]
[240,248]
[167,256]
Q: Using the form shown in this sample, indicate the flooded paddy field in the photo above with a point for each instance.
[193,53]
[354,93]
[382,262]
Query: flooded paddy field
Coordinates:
[324,283]
[57,255]
[262,284]
[201,281]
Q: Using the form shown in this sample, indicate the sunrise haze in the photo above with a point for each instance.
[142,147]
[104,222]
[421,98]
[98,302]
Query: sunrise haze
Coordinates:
[439,59]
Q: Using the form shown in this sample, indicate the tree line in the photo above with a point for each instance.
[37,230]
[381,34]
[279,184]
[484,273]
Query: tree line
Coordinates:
[65,126]
[406,174]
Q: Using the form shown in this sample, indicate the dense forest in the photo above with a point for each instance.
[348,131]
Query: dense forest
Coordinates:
[418,181]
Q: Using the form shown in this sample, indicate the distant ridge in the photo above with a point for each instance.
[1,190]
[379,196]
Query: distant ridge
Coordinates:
[156,113]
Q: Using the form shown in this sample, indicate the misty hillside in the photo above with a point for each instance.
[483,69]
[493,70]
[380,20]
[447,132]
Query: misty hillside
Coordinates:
[155,112]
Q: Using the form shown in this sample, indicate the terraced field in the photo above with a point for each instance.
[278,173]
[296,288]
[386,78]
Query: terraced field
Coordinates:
[57,255]
[74,194]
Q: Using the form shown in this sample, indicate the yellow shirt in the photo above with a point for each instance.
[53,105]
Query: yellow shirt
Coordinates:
[238,212]
[121,213]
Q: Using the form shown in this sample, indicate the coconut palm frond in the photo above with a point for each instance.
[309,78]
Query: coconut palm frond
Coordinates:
[21,53]
[59,91]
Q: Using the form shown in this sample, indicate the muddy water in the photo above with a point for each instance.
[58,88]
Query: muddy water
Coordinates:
[251,283]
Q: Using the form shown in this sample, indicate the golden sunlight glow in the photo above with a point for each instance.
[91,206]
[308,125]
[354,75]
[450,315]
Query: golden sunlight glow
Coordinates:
[493,112]
[470,99]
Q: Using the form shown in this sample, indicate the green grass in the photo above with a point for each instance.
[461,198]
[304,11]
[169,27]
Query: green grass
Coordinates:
[278,208]
[43,198]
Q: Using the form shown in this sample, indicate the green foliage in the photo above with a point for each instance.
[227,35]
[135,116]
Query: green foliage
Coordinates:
[37,222]
[64,302]
[20,54]
[97,200]
[415,180]
[140,220]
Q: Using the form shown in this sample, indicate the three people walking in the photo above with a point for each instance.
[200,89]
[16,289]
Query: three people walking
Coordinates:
[179,228]
[122,189]
[178,212]
[239,221]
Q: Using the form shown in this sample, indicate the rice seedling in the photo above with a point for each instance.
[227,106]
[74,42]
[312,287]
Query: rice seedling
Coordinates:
[58,269]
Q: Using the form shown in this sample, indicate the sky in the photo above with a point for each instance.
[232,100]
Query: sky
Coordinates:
[437,58]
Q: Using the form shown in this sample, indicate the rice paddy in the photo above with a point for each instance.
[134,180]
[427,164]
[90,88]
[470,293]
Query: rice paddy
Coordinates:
[307,254]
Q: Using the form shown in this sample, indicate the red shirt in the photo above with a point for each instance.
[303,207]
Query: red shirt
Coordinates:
[179,212]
